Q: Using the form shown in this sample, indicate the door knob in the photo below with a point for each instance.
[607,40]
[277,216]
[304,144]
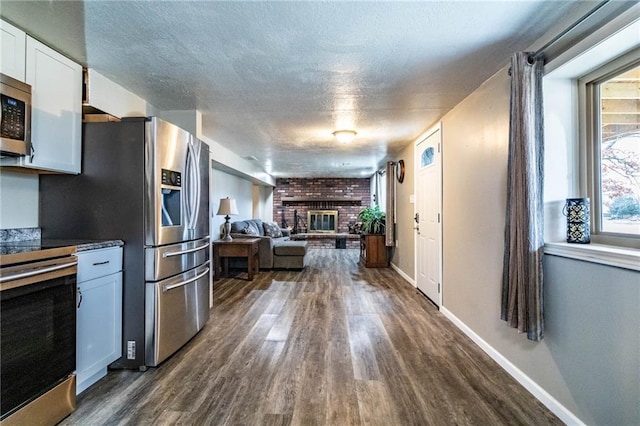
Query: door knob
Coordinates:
[417,217]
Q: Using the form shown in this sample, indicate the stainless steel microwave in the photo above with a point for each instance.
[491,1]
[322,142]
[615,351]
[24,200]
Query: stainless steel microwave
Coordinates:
[15,118]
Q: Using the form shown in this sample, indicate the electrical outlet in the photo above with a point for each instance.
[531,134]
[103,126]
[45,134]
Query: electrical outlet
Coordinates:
[131,349]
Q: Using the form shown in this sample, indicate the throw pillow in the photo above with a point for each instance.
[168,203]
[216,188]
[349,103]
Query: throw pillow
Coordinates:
[251,229]
[272,229]
[257,223]
[238,227]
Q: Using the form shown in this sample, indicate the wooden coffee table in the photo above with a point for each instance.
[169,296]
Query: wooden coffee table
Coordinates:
[240,247]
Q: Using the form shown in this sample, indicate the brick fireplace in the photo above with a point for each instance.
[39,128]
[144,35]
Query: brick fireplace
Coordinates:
[346,196]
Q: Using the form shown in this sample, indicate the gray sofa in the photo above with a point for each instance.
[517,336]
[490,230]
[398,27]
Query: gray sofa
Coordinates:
[276,250]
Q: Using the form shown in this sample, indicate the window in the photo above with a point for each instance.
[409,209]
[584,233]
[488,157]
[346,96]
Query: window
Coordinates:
[585,121]
[619,142]
[427,157]
[613,148]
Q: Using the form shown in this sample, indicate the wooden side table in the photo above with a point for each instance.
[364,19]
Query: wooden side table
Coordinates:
[240,247]
[373,251]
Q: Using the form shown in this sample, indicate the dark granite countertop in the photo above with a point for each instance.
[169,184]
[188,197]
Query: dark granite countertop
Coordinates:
[15,247]
[95,245]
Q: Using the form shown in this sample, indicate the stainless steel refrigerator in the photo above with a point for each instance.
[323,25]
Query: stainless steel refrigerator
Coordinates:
[146,182]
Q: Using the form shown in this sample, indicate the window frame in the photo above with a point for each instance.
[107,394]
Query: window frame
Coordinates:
[589,147]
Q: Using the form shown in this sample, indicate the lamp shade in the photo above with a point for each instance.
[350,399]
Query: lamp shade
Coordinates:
[227,207]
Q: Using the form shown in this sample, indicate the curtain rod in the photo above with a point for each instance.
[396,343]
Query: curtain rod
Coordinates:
[540,52]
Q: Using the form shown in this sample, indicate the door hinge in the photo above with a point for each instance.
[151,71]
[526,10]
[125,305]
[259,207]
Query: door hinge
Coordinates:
[438,217]
[438,287]
[438,147]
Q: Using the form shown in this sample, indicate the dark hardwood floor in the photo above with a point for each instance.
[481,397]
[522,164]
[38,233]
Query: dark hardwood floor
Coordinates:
[335,344]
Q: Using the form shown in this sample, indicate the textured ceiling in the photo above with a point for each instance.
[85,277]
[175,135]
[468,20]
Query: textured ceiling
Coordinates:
[273,80]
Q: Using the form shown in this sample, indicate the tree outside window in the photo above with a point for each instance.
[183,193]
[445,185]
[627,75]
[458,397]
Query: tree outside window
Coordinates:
[620,153]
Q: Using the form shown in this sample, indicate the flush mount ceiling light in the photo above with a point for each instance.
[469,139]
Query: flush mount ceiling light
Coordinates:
[344,136]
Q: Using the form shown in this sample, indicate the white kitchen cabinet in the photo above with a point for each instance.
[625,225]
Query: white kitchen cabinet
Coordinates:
[99,314]
[12,51]
[56,111]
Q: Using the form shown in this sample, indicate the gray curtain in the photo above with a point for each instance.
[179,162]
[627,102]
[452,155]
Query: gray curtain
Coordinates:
[522,291]
[390,235]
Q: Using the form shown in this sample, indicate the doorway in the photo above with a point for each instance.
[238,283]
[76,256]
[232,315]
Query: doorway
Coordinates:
[428,216]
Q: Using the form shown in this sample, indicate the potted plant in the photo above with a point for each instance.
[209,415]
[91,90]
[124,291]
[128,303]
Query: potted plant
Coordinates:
[373,220]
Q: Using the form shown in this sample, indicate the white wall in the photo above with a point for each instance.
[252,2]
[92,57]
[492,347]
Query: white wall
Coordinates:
[266,199]
[19,200]
[378,185]
[113,99]
[263,202]
[227,185]
[561,169]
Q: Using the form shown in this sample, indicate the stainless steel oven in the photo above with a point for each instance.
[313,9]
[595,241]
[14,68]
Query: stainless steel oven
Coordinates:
[38,335]
[15,117]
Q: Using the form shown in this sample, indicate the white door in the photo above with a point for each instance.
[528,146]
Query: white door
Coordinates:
[428,217]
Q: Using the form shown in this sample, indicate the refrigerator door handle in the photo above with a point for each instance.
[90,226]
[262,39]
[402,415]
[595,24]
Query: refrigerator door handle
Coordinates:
[196,195]
[193,186]
[188,203]
[185,282]
[178,253]
[193,183]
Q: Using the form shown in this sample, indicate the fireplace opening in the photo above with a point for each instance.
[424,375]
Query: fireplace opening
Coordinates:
[322,221]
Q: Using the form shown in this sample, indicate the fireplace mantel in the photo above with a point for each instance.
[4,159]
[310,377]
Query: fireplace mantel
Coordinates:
[346,200]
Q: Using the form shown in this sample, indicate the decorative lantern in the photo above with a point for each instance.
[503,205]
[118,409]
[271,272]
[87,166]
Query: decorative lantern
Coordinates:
[578,228]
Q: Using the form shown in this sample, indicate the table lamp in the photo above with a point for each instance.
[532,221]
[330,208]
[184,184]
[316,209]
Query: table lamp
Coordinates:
[227,207]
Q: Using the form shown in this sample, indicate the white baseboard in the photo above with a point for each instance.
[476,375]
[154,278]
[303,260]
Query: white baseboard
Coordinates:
[536,390]
[402,274]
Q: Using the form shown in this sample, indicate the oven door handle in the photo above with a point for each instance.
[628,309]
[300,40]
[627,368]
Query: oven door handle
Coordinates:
[178,253]
[39,271]
[183,283]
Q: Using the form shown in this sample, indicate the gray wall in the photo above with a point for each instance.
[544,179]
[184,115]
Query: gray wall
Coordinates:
[403,254]
[589,360]
[592,320]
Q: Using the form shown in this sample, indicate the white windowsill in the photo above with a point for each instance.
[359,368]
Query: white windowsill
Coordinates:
[620,257]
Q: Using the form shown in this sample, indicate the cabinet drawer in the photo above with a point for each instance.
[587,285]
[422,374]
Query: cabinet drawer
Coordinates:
[98,263]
